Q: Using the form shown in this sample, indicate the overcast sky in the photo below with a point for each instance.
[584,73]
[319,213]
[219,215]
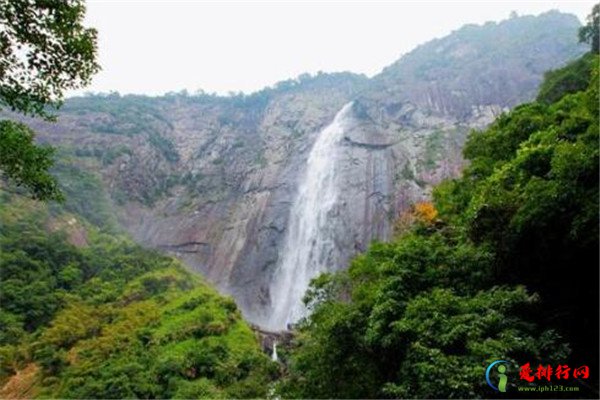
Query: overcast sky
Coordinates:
[153,47]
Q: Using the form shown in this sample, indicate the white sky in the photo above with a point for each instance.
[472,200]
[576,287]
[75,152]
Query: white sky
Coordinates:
[153,47]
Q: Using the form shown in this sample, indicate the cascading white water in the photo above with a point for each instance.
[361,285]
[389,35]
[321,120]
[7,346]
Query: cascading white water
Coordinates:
[309,241]
[274,356]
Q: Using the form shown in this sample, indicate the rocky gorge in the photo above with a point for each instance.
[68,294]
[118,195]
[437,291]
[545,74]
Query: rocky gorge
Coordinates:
[213,179]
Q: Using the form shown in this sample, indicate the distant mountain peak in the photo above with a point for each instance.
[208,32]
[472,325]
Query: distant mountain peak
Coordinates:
[493,63]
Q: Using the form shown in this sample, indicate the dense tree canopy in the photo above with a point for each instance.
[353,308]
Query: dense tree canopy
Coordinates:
[109,319]
[25,163]
[44,50]
[506,268]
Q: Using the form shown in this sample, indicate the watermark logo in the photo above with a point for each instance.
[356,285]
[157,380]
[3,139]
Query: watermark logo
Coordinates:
[502,378]
[496,376]
[548,373]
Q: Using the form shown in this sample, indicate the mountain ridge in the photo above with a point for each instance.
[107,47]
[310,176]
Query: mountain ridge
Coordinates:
[223,170]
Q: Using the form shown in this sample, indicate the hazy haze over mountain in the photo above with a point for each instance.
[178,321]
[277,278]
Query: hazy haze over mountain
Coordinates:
[367,200]
[159,46]
[212,179]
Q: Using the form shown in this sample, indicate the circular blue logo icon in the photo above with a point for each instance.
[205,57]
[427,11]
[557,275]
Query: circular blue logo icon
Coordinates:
[501,369]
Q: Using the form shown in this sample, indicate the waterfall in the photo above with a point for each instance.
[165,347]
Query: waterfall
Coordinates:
[309,243]
[274,354]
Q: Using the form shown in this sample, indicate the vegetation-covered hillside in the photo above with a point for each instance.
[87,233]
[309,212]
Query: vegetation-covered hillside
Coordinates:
[446,73]
[87,314]
[503,266]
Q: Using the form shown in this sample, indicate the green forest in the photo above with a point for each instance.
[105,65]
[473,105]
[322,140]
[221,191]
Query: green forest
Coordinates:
[504,266]
[476,279]
[501,264]
[105,318]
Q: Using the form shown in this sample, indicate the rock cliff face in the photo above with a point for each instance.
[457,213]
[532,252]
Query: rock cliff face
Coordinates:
[211,179]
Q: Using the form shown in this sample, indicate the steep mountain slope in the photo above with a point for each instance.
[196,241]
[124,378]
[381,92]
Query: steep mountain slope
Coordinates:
[87,314]
[494,64]
[211,179]
[503,265]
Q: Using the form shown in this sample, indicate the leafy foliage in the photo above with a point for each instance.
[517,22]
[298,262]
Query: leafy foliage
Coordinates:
[570,79]
[535,204]
[26,164]
[113,320]
[482,276]
[45,50]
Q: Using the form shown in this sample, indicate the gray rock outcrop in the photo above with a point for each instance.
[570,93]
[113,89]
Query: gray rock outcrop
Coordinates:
[211,179]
